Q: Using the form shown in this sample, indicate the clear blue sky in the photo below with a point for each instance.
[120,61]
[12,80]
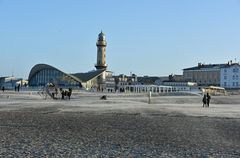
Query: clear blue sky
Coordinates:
[145,37]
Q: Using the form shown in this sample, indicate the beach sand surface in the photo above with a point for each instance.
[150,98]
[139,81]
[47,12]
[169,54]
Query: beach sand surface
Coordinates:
[124,125]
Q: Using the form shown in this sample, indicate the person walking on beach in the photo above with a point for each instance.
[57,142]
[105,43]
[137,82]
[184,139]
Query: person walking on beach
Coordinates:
[208,99]
[18,87]
[204,100]
[69,93]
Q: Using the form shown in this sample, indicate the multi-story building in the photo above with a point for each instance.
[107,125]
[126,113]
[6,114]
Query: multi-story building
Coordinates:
[148,80]
[230,76]
[110,82]
[224,75]
[161,79]
[178,83]
[122,81]
[203,75]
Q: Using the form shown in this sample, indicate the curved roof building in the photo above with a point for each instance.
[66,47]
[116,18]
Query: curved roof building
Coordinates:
[42,74]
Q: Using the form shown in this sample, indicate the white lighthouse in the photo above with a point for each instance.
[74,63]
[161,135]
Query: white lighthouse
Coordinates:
[101,51]
[101,60]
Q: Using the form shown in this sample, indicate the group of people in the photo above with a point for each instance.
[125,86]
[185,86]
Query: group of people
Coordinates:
[17,88]
[206,100]
[66,93]
[53,91]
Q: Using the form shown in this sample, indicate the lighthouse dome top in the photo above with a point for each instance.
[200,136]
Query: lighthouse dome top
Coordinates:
[101,36]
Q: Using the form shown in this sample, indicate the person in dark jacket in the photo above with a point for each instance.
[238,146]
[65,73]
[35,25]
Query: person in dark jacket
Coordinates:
[18,87]
[69,93]
[208,99]
[204,100]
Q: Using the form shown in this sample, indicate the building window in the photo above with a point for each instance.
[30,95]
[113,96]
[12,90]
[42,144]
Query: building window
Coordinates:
[225,70]
[233,77]
[233,84]
[225,77]
[225,84]
[235,69]
[236,84]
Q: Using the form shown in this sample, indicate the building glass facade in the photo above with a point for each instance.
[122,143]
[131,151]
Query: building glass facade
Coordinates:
[45,76]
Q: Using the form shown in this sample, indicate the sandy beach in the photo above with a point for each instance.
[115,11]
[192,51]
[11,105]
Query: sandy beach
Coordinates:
[124,125]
